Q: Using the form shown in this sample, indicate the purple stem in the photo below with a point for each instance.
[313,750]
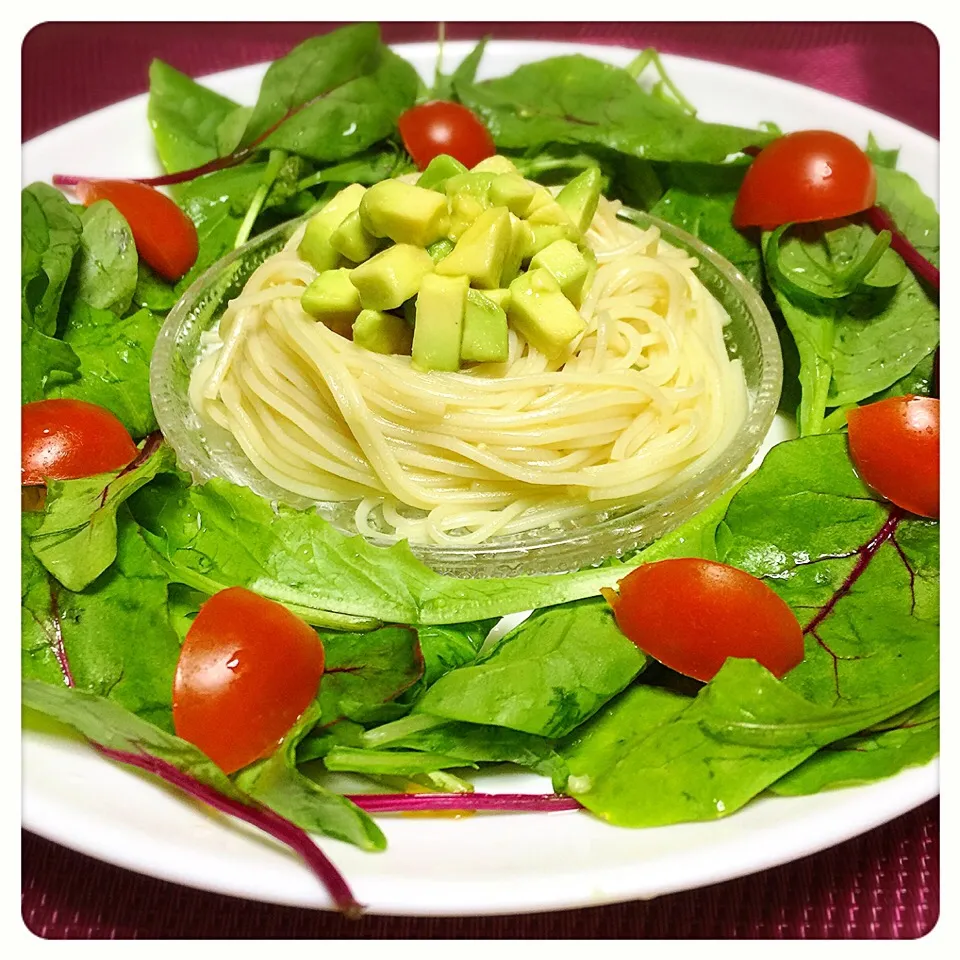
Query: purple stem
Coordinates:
[260,817]
[505,802]
[865,555]
[879,219]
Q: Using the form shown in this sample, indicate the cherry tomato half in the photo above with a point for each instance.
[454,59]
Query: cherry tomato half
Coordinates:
[64,439]
[247,670]
[693,614]
[895,446]
[165,236]
[443,127]
[805,177]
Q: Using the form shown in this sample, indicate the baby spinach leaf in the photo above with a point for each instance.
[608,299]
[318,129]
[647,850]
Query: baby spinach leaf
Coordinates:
[77,539]
[332,95]
[446,647]
[914,213]
[479,743]
[152,292]
[653,757]
[861,577]
[858,345]
[115,632]
[390,763]
[105,273]
[216,535]
[276,783]
[365,672]
[879,156]
[230,130]
[909,739]
[545,677]
[45,362]
[114,357]
[185,117]
[575,99]
[49,239]
[709,218]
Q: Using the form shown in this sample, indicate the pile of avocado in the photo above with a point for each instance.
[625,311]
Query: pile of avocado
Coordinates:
[438,269]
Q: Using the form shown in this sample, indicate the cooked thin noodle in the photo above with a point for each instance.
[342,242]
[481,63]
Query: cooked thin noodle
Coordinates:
[644,399]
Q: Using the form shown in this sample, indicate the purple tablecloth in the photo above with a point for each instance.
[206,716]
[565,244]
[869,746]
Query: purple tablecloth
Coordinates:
[884,884]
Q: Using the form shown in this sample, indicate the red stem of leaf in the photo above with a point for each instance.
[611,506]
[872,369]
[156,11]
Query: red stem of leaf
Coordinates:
[504,802]
[879,219]
[864,555]
[260,817]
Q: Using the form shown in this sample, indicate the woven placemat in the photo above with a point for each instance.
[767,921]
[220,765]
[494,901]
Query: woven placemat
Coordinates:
[884,884]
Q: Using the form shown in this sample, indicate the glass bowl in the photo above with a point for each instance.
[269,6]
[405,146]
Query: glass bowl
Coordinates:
[206,450]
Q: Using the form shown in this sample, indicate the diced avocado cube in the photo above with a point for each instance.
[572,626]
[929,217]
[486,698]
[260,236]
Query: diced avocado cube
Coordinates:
[438,330]
[404,213]
[464,211]
[438,170]
[391,277]
[485,336]
[510,190]
[333,299]
[579,198]
[476,185]
[352,241]
[570,267]
[494,164]
[500,296]
[481,251]
[542,314]
[440,249]
[520,239]
[315,244]
[540,235]
[382,332]
[542,197]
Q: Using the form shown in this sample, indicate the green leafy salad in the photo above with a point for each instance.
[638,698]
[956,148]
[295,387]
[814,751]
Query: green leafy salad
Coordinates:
[399,675]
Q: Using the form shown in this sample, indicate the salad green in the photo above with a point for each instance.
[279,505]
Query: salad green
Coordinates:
[415,694]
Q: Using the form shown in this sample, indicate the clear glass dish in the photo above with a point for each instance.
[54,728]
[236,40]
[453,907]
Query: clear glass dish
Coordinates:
[206,450]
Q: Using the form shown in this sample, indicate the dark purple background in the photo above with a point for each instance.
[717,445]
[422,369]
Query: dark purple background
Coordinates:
[882,885]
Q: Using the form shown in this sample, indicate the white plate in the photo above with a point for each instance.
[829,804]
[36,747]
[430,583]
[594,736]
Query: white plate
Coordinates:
[486,864]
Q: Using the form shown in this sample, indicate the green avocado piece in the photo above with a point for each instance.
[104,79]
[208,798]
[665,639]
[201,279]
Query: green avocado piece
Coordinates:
[495,164]
[438,330]
[510,190]
[485,335]
[464,211]
[404,213]
[352,240]
[438,171]
[520,238]
[568,265]
[391,276]
[382,332]
[440,249]
[471,184]
[481,251]
[542,314]
[315,244]
[500,296]
[579,198]
[333,299]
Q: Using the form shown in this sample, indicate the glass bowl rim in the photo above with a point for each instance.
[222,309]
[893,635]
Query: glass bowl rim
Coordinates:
[621,531]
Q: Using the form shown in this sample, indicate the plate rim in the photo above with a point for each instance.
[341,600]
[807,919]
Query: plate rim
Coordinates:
[921,783]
